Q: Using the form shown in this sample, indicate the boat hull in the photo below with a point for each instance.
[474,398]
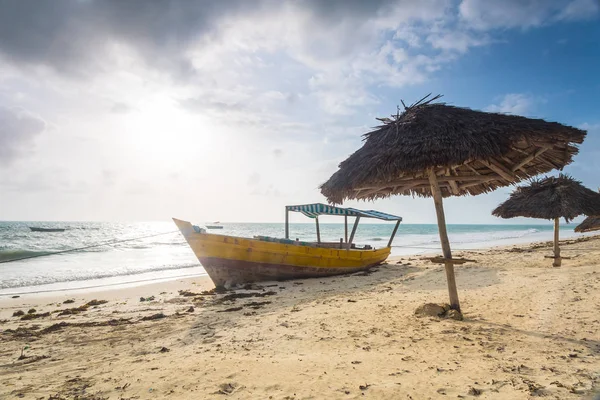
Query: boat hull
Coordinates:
[232,260]
[33,229]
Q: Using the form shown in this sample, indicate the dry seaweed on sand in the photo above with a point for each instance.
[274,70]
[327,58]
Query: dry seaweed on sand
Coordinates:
[34,331]
[31,316]
[234,296]
[80,309]
[153,317]
[95,302]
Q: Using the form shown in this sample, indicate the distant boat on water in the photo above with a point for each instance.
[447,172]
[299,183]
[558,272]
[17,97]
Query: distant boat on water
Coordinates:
[35,229]
[231,260]
[214,225]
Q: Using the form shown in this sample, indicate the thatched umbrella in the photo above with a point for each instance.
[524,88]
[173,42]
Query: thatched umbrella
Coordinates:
[589,224]
[433,149]
[551,198]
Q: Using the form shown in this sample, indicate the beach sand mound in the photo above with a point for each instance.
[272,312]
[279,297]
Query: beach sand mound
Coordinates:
[437,310]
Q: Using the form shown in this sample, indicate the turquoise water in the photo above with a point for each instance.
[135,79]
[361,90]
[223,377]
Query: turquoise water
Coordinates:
[167,256]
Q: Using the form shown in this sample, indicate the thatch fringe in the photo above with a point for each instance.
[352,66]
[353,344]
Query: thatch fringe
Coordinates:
[588,225]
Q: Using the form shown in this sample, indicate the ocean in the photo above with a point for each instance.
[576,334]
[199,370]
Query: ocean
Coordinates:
[155,251]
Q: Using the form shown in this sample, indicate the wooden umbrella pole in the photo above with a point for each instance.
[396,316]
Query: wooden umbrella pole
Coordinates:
[441,219]
[318,230]
[557,260]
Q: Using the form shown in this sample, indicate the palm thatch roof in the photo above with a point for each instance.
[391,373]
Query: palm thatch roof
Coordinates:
[588,225]
[550,198]
[472,152]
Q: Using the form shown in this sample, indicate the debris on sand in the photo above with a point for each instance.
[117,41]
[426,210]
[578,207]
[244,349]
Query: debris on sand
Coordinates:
[71,311]
[234,296]
[34,316]
[257,304]
[164,350]
[475,392]
[31,311]
[35,331]
[95,302]
[437,310]
[187,293]
[153,317]
[232,309]
[227,388]
[69,301]
[151,298]
[18,313]
[80,309]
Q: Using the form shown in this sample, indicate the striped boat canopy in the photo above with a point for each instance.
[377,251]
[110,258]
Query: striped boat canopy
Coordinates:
[314,210]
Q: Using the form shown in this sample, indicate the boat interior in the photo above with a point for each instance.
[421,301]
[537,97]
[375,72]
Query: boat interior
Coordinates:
[327,245]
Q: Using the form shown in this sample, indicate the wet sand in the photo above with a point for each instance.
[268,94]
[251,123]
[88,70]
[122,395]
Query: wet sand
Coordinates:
[529,330]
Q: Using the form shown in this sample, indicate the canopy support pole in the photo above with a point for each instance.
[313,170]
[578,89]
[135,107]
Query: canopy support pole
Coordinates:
[557,259]
[287,223]
[318,230]
[349,244]
[441,219]
[346,228]
[393,234]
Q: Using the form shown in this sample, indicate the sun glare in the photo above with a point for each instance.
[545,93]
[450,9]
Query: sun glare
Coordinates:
[160,132]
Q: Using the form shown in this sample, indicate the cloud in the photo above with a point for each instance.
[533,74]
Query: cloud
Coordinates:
[459,41]
[18,128]
[486,15]
[68,36]
[580,9]
[513,103]
[254,179]
[338,51]
[121,108]
[109,177]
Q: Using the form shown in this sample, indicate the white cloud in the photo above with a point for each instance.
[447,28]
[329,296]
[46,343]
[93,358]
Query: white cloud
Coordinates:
[580,9]
[18,128]
[194,97]
[485,14]
[459,41]
[513,103]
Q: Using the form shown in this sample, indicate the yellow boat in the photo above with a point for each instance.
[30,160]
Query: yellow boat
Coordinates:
[231,260]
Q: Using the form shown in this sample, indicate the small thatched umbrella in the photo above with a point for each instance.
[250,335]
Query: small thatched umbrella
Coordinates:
[551,198]
[439,150]
[589,224]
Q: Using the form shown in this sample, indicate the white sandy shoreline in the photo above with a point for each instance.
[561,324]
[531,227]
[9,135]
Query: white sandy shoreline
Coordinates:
[530,330]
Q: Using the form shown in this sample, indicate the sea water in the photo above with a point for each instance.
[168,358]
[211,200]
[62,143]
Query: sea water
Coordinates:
[155,251]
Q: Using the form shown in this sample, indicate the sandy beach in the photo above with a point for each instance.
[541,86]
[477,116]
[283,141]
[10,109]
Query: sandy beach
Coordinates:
[529,330]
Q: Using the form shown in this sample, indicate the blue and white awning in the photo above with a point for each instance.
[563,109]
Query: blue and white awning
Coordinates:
[314,210]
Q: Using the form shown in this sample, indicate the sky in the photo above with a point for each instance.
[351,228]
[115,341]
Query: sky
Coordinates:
[145,110]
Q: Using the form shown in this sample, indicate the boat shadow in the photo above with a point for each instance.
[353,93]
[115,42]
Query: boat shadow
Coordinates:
[220,311]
